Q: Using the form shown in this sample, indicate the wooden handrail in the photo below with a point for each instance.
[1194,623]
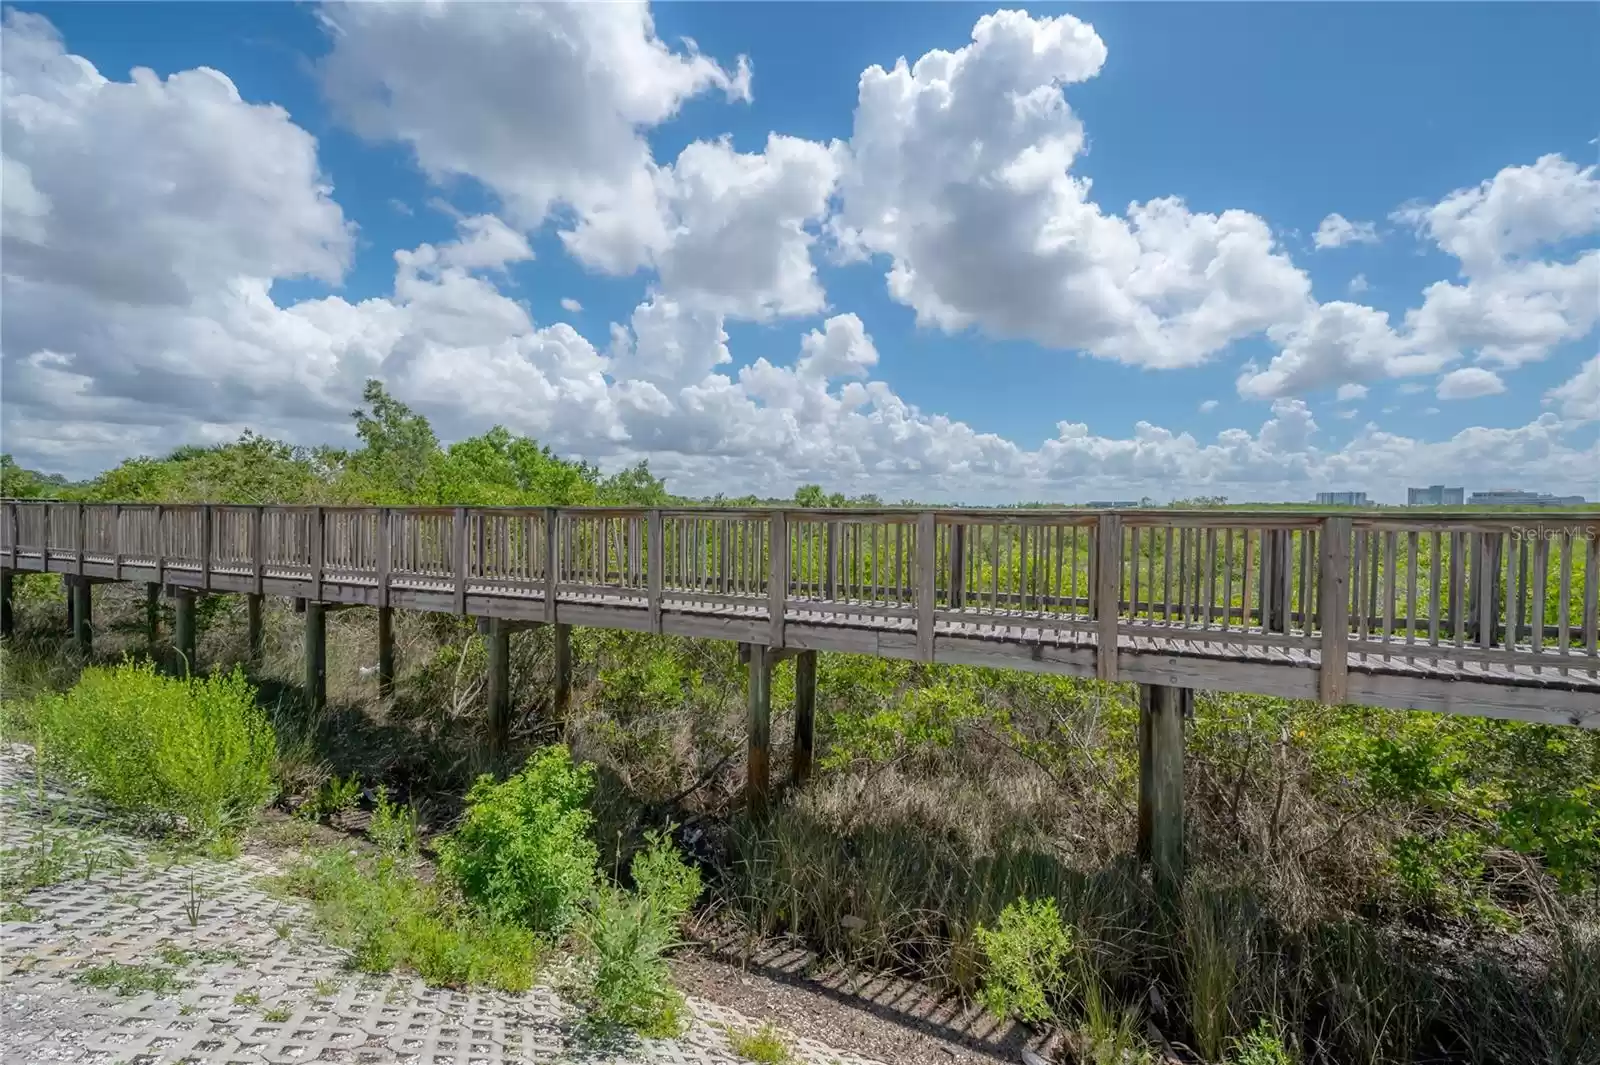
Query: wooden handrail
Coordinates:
[1338,588]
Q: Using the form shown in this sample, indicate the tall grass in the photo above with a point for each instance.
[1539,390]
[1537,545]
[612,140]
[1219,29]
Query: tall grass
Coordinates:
[193,755]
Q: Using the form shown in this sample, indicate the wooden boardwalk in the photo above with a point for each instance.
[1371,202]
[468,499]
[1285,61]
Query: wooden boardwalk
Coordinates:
[1474,614]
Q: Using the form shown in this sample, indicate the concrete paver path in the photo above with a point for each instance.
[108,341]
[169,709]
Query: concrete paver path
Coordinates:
[248,979]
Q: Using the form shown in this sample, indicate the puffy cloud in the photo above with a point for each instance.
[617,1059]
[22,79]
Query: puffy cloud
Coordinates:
[1207,406]
[1578,398]
[571,306]
[1506,309]
[1358,285]
[1470,382]
[1335,231]
[959,174]
[144,192]
[1519,210]
[543,103]
[547,105]
[668,344]
[730,233]
[143,223]
[97,370]
[841,348]
[484,243]
[1348,393]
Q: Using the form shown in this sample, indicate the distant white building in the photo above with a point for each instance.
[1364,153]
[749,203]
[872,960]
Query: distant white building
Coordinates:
[1507,497]
[1435,495]
[1342,499]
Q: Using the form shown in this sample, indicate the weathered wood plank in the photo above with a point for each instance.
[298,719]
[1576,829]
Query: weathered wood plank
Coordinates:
[1333,604]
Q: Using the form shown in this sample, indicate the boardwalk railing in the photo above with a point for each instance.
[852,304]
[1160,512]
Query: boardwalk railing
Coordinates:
[1364,607]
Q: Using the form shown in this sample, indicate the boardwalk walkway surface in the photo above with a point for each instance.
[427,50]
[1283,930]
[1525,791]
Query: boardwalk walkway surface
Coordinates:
[1491,614]
[250,994]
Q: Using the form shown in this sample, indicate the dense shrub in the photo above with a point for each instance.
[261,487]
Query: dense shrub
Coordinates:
[196,754]
[390,919]
[524,853]
[1027,951]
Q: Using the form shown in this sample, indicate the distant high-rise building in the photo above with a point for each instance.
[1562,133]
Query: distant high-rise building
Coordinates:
[1435,495]
[1511,497]
[1342,499]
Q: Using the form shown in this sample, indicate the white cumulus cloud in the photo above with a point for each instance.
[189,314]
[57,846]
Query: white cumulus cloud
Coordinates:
[1335,231]
[1470,382]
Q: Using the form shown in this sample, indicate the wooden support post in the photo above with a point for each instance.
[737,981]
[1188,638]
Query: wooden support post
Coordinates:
[317,541]
[1333,601]
[777,576]
[1162,710]
[252,613]
[499,686]
[152,617]
[205,547]
[552,563]
[461,562]
[258,550]
[927,583]
[184,636]
[483,625]
[562,656]
[72,603]
[805,715]
[1107,594]
[316,655]
[385,652]
[83,615]
[8,621]
[757,781]
[656,566]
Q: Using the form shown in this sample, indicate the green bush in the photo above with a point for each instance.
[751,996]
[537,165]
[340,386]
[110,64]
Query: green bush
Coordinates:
[389,919]
[197,754]
[394,827]
[1027,952]
[337,795]
[1263,1046]
[523,852]
[664,879]
[622,940]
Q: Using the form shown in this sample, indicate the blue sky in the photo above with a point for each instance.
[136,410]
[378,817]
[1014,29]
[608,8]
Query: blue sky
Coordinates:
[1287,113]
